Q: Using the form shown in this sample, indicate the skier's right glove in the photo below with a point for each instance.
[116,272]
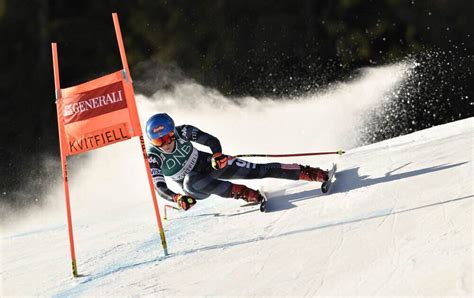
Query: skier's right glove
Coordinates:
[184,202]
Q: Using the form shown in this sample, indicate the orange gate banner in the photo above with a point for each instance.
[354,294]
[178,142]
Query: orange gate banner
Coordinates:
[98,113]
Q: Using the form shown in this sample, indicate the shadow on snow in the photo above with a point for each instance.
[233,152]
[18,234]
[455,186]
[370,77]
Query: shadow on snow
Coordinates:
[349,179]
[346,180]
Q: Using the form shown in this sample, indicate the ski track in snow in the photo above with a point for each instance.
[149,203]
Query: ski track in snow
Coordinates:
[390,225]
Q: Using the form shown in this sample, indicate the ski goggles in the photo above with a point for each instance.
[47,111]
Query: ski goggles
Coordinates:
[167,139]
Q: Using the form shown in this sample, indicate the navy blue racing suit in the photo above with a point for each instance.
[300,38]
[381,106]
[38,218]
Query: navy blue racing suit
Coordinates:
[192,169]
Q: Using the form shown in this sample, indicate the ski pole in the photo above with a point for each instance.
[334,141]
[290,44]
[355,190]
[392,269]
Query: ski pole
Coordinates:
[172,207]
[339,152]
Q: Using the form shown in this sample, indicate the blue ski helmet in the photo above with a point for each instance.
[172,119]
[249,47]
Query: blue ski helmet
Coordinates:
[159,125]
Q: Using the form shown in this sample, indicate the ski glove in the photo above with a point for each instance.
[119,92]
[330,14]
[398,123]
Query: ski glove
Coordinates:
[219,161]
[184,202]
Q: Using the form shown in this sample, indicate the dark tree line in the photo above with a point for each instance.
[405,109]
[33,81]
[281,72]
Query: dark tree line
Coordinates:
[276,48]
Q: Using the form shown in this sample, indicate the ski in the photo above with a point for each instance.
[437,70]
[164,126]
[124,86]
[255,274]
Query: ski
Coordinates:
[264,201]
[326,186]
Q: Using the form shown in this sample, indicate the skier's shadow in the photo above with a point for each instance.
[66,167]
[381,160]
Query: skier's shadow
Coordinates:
[347,180]
[350,179]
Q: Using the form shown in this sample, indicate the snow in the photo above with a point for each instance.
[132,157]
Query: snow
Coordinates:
[398,221]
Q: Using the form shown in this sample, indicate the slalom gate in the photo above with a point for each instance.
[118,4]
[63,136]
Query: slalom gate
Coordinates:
[95,114]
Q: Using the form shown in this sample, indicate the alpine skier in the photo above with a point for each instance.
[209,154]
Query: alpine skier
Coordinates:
[171,153]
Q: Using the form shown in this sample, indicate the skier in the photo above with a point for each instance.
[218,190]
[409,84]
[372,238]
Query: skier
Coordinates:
[171,154]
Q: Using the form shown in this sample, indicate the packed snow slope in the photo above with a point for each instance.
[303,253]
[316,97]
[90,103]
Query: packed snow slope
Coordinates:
[397,222]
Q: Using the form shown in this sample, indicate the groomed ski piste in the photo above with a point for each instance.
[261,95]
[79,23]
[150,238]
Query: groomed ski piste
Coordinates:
[398,220]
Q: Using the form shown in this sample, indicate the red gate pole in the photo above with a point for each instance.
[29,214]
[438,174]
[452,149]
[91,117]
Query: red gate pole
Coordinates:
[118,33]
[153,195]
[63,158]
[123,56]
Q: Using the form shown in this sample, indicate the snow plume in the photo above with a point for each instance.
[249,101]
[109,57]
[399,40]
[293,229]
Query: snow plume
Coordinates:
[326,120]
[323,120]
[436,91]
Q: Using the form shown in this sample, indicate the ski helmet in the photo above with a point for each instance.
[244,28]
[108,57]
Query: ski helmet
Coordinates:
[159,125]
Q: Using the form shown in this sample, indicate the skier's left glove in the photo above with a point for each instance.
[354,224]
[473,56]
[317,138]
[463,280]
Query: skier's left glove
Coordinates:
[184,202]
[219,161]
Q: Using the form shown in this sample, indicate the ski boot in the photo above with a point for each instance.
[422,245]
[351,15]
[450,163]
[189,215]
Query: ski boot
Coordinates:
[247,194]
[313,174]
